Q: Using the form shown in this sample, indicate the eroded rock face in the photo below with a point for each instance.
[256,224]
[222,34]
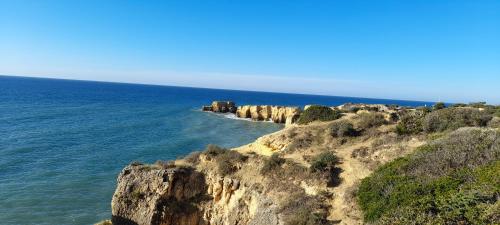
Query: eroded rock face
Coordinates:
[150,195]
[277,114]
[223,107]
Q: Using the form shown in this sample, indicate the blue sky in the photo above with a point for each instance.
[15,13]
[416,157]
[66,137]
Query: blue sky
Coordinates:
[420,50]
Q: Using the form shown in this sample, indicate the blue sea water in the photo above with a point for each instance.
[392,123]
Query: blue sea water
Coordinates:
[63,142]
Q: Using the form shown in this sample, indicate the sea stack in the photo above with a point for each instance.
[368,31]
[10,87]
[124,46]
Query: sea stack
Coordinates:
[221,107]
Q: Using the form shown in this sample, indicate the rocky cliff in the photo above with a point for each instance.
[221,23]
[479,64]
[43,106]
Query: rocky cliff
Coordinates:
[221,107]
[277,114]
[270,181]
[181,195]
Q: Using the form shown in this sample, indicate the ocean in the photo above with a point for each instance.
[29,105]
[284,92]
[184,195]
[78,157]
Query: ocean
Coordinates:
[63,142]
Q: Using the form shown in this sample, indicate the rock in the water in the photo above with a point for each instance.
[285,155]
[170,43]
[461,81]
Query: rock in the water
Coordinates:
[223,107]
[206,108]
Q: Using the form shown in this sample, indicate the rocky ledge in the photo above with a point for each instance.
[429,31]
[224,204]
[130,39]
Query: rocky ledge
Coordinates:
[278,114]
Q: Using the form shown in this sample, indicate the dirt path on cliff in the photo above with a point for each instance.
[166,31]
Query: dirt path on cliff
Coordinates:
[344,209]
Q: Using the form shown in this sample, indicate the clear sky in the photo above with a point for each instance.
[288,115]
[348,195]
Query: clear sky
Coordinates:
[421,50]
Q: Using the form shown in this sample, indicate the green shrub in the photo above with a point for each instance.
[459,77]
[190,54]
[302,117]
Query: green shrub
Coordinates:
[465,147]
[454,180]
[305,216]
[410,122]
[302,209]
[214,150]
[394,117]
[227,160]
[453,118]
[343,129]
[368,120]
[317,112]
[494,123]
[324,161]
[477,104]
[438,106]
[274,162]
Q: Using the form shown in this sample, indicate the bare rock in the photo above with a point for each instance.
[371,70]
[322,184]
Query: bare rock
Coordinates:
[223,106]
[149,195]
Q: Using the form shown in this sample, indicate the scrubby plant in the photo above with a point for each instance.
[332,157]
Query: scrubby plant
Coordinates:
[442,120]
[318,113]
[193,157]
[453,118]
[165,164]
[438,106]
[494,123]
[394,117]
[325,164]
[453,180]
[274,162]
[368,120]
[477,104]
[214,150]
[227,160]
[343,129]
[302,209]
[324,161]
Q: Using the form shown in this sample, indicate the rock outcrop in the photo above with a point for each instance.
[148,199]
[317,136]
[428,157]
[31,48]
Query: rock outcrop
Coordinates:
[221,107]
[277,114]
[152,195]
[147,194]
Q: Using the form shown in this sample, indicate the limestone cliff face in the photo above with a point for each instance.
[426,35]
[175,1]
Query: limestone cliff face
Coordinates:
[277,114]
[153,195]
[221,107]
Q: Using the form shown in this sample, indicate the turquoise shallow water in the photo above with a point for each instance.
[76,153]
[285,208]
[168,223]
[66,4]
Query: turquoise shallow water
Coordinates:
[62,143]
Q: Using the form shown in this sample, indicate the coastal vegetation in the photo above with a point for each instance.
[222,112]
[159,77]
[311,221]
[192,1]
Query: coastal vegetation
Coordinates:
[227,160]
[453,180]
[446,119]
[318,113]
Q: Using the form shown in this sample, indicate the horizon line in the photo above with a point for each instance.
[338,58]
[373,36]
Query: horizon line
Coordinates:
[211,88]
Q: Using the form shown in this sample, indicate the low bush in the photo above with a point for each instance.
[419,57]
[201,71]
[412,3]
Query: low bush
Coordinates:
[343,129]
[325,164]
[368,120]
[227,160]
[302,209]
[272,164]
[318,113]
[214,150]
[453,180]
[494,123]
[447,119]
[193,157]
[165,164]
[453,118]
[410,123]
[438,106]
[324,161]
